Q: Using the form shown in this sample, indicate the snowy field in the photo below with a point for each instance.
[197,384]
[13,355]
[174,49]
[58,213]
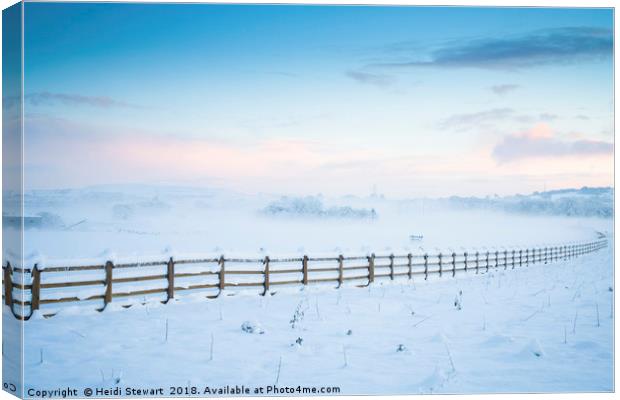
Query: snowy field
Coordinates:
[544,328]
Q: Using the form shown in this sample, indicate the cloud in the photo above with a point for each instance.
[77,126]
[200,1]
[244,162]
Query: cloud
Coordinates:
[370,78]
[48,98]
[504,89]
[536,48]
[539,142]
[476,119]
[486,118]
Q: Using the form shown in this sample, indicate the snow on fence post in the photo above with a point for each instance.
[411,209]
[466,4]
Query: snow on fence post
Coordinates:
[527,255]
[266,283]
[477,262]
[340,269]
[425,266]
[170,276]
[371,268]
[392,267]
[222,274]
[453,264]
[107,298]
[8,285]
[465,260]
[35,291]
[563,252]
[304,267]
[409,264]
[440,266]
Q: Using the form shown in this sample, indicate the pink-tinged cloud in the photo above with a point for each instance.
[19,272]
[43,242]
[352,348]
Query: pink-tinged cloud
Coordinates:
[539,142]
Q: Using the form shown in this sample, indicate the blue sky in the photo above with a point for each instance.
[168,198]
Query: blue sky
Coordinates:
[306,99]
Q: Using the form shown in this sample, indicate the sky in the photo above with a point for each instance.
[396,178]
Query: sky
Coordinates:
[412,101]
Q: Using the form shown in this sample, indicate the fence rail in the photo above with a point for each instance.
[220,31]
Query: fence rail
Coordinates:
[48,288]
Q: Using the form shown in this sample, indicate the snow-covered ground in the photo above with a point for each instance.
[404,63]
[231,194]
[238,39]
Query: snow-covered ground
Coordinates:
[543,328]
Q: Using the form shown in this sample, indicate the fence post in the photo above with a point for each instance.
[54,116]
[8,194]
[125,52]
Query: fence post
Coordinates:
[425,266]
[304,264]
[520,257]
[107,299]
[465,260]
[505,259]
[392,267]
[170,275]
[340,269]
[545,255]
[477,262]
[563,252]
[453,264]
[496,259]
[513,259]
[266,284]
[222,263]
[527,255]
[371,268]
[409,264]
[440,266]
[8,285]
[36,289]
[487,261]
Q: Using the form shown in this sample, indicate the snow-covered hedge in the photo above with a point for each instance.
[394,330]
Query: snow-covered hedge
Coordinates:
[584,202]
[311,206]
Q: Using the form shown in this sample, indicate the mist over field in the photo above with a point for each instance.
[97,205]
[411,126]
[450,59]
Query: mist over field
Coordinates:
[150,221]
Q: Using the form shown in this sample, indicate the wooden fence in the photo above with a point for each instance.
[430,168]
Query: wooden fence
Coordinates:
[45,289]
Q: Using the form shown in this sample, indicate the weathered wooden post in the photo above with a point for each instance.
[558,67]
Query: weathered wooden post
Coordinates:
[505,259]
[477,261]
[425,266]
[107,298]
[222,274]
[453,264]
[340,270]
[266,284]
[487,261]
[371,268]
[170,275]
[513,259]
[465,260]
[440,265]
[304,267]
[8,285]
[527,257]
[496,259]
[391,267]
[36,289]
[409,264]
[520,257]
[545,255]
